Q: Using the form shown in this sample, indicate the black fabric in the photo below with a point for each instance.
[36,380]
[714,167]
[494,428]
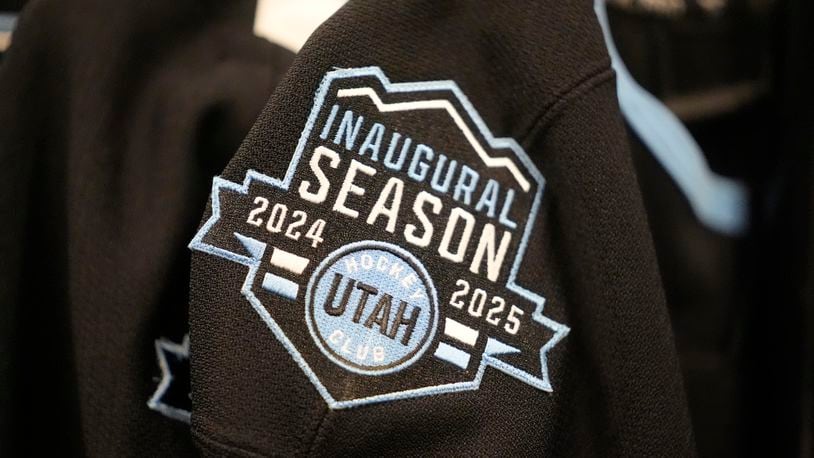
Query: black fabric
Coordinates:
[735,302]
[711,280]
[115,116]
[12,5]
[798,116]
[541,75]
[700,61]
[780,399]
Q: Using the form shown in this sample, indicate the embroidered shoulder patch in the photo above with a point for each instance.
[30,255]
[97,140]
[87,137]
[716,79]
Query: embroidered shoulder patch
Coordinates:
[385,259]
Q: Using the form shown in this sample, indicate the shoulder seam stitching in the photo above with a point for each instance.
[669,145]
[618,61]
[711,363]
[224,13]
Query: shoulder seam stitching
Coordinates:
[581,86]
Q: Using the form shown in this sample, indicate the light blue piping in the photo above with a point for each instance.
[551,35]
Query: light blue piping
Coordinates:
[256,248]
[720,203]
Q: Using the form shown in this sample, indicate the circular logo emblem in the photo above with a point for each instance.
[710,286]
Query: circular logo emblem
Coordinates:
[371,308]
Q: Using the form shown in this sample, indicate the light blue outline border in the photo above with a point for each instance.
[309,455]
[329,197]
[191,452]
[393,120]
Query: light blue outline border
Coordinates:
[257,248]
[341,251]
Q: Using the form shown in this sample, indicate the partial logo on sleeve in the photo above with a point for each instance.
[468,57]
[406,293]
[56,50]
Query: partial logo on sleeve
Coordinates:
[385,260]
[172,395]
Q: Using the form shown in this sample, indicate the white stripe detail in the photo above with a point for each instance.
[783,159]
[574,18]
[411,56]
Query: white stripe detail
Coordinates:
[460,332]
[452,355]
[288,261]
[440,104]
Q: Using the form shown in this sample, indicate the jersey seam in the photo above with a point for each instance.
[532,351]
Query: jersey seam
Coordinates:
[210,443]
[312,449]
[588,82]
[601,74]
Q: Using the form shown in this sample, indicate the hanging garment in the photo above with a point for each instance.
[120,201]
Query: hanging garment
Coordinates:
[115,117]
[352,290]
[731,72]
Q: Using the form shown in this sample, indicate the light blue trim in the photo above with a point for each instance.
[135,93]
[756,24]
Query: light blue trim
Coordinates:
[257,248]
[452,355]
[280,286]
[720,203]
[162,347]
